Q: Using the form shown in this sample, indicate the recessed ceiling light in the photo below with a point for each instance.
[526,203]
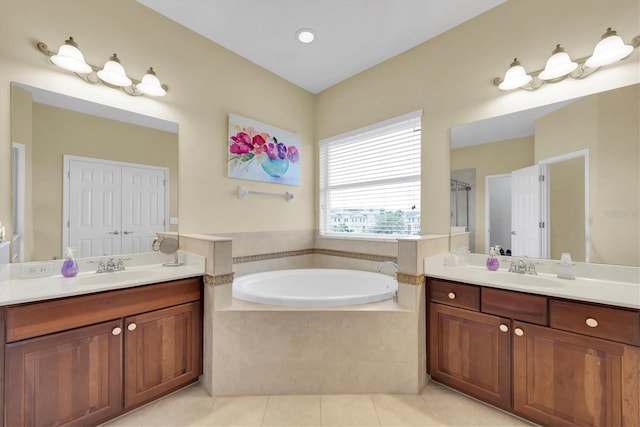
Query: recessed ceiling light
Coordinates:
[305,35]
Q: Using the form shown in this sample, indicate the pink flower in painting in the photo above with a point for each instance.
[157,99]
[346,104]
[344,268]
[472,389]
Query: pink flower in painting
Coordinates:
[241,143]
[258,142]
[292,154]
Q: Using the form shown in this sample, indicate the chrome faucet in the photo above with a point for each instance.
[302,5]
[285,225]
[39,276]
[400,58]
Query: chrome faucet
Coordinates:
[110,266]
[384,263]
[521,267]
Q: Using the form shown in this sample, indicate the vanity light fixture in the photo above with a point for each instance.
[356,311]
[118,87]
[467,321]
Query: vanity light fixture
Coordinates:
[560,66]
[70,58]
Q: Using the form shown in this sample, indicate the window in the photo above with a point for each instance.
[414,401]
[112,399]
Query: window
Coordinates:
[372,176]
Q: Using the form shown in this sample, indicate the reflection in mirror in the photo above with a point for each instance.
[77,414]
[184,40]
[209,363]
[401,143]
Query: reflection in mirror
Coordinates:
[168,246]
[587,149]
[88,176]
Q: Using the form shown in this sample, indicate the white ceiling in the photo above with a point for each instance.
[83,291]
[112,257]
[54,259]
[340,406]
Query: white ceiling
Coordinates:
[351,35]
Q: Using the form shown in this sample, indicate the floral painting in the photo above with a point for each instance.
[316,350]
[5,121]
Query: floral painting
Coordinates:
[260,152]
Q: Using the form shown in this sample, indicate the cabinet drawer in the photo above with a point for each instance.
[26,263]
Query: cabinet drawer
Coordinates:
[41,318]
[515,305]
[455,294]
[603,322]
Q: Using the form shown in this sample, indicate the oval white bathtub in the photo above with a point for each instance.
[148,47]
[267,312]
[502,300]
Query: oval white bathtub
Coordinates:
[314,287]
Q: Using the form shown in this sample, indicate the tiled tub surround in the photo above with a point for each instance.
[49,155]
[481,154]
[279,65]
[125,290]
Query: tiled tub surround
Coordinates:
[263,349]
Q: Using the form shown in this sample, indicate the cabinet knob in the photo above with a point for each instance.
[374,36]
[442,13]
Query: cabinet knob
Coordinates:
[116,331]
[591,322]
[504,328]
[132,326]
[519,332]
[451,295]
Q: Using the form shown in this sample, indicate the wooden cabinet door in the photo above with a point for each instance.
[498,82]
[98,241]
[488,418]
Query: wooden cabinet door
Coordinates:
[471,352]
[68,378]
[162,351]
[562,378]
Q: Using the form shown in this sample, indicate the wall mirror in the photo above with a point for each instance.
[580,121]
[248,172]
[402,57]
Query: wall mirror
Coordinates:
[587,149]
[101,180]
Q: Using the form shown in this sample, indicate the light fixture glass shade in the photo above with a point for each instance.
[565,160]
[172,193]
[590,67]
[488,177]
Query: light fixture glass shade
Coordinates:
[608,50]
[70,58]
[558,65]
[150,85]
[515,77]
[113,73]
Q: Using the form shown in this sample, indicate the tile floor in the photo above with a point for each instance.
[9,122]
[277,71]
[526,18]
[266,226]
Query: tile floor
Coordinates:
[435,406]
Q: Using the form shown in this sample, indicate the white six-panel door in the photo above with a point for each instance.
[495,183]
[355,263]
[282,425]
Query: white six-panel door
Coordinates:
[112,208]
[526,212]
[143,207]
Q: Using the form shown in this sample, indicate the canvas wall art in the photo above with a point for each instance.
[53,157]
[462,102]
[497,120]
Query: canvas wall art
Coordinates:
[260,152]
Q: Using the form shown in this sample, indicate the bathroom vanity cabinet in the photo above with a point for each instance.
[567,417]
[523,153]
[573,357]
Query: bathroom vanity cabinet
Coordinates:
[553,361]
[85,359]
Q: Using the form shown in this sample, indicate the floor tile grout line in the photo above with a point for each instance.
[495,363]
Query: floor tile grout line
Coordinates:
[264,412]
[375,408]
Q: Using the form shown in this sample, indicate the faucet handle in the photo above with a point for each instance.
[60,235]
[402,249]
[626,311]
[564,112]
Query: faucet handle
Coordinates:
[532,268]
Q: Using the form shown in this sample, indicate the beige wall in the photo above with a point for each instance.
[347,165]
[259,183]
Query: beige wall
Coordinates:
[22,133]
[607,125]
[58,132]
[206,83]
[615,208]
[494,158]
[566,209]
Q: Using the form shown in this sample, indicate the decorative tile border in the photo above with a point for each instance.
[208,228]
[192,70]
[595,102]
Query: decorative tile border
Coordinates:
[273,255]
[330,252]
[356,255]
[221,279]
[411,279]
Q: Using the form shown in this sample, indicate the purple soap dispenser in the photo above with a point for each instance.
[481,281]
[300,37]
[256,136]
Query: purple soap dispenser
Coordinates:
[492,261]
[69,266]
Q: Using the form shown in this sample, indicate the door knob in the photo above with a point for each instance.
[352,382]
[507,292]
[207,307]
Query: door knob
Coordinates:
[451,295]
[116,331]
[127,232]
[519,332]
[513,232]
[132,326]
[114,232]
[504,328]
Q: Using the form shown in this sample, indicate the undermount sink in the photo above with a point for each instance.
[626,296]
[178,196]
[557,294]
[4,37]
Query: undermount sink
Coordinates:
[113,277]
[520,279]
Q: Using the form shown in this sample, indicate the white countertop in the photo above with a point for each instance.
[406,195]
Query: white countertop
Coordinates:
[622,292]
[15,290]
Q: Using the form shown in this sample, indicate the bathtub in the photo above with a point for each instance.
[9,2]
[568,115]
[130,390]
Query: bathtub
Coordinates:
[314,287]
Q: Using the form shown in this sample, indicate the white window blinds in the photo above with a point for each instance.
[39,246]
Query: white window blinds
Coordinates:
[370,180]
